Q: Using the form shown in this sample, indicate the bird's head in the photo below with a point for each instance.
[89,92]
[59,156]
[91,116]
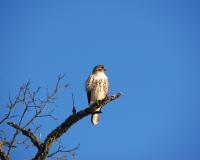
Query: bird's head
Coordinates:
[99,68]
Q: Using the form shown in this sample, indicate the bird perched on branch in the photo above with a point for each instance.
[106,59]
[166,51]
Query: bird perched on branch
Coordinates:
[97,89]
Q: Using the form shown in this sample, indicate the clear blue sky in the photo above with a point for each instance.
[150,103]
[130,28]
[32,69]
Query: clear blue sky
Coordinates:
[151,50]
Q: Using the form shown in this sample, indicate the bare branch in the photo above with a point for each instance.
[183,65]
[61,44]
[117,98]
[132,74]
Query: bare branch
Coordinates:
[63,157]
[61,150]
[30,101]
[74,108]
[71,120]
[6,115]
[26,142]
[2,153]
[27,133]
[10,107]
[44,103]
[21,97]
[32,108]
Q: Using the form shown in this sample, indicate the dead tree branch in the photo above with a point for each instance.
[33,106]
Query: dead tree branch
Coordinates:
[31,108]
[61,149]
[29,103]
[71,120]
[27,133]
[2,153]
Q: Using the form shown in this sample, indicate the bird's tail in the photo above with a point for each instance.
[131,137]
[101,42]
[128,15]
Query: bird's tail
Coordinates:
[95,117]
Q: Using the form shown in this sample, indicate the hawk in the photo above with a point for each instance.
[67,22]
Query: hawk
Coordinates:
[96,88]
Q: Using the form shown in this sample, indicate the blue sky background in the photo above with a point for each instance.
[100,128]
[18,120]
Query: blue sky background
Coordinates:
[151,50]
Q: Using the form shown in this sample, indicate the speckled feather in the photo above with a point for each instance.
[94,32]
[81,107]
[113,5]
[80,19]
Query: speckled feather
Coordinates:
[97,89]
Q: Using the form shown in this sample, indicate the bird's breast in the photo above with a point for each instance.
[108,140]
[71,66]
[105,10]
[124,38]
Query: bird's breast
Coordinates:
[99,87]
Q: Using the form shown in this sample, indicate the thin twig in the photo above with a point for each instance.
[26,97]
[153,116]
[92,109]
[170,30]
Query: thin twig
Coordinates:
[24,89]
[73,103]
[61,150]
[29,100]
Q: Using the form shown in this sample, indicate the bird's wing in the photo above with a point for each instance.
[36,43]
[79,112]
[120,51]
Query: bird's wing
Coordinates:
[88,86]
[89,96]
